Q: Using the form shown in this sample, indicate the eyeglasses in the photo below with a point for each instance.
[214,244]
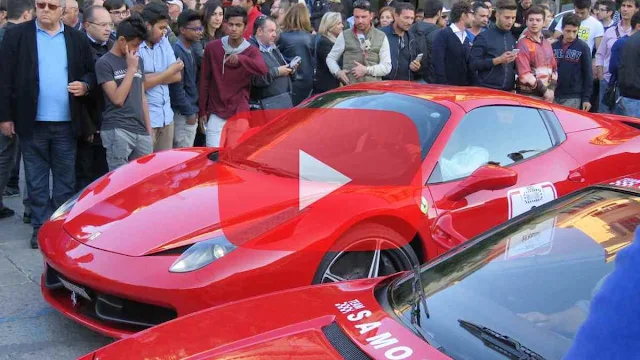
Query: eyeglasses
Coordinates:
[120,13]
[104,25]
[195,28]
[43,5]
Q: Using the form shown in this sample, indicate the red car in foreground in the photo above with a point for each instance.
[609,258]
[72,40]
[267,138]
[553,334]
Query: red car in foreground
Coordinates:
[363,181]
[531,280]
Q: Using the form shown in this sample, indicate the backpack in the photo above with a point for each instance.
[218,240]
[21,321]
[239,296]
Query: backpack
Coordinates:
[424,40]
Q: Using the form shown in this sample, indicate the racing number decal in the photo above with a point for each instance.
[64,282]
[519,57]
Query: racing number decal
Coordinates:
[526,198]
[381,341]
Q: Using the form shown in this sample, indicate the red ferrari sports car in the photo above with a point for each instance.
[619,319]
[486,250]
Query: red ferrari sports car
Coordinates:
[531,279]
[183,230]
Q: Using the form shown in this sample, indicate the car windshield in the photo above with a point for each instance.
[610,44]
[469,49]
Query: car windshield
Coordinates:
[348,135]
[532,281]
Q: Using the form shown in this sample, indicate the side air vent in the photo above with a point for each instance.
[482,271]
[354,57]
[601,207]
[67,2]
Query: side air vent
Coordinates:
[343,344]
[214,156]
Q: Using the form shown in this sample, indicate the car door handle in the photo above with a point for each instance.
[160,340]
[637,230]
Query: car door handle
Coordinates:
[444,234]
[576,175]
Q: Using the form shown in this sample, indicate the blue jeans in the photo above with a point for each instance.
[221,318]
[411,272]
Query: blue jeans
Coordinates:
[628,107]
[602,108]
[51,147]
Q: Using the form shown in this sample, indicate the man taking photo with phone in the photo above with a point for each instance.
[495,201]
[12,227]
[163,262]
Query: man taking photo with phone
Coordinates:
[492,55]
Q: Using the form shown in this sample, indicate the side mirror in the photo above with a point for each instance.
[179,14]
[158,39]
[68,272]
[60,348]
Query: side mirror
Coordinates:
[486,177]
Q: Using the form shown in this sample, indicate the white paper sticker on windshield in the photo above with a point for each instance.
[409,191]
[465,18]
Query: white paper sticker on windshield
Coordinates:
[534,241]
[526,198]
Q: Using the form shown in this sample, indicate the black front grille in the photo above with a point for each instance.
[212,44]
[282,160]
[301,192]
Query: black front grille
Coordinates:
[109,308]
[343,344]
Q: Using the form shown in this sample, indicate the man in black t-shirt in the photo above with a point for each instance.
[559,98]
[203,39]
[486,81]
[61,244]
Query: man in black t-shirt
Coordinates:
[126,129]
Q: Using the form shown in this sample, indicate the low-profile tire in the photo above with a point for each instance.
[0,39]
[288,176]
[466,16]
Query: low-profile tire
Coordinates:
[347,260]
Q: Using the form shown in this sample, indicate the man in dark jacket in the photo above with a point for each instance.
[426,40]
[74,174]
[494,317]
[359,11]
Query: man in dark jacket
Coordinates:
[46,69]
[451,48]
[273,90]
[402,44]
[492,55]
[575,76]
[91,160]
[629,77]
[425,33]
[18,12]
[184,94]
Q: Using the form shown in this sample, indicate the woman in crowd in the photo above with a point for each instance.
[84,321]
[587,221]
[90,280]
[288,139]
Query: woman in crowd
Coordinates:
[296,40]
[330,27]
[385,16]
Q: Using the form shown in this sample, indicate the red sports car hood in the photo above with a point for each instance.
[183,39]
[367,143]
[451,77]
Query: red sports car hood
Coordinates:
[316,322]
[166,200]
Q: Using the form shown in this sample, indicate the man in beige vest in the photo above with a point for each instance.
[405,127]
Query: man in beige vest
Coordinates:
[364,49]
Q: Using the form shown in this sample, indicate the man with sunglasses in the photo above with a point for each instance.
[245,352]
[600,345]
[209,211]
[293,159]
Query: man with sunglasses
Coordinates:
[184,94]
[402,44]
[46,70]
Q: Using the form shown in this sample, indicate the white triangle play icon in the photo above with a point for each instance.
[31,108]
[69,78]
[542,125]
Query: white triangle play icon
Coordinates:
[316,180]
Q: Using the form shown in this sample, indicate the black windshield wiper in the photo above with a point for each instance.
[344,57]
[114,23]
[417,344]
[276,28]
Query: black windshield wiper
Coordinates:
[500,343]
[420,301]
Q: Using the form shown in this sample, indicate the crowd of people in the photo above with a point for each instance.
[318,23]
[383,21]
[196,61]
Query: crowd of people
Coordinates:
[85,90]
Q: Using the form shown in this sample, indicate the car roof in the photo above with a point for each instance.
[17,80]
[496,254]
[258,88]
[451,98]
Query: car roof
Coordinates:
[467,97]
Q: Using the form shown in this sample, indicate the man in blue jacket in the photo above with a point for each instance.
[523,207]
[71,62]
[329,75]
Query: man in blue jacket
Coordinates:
[402,44]
[184,94]
[575,76]
[451,48]
[492,56]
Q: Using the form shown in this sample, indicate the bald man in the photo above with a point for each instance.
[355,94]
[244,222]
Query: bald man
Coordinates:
[71,16]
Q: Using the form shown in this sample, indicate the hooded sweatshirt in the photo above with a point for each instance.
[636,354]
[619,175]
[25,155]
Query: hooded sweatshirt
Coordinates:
[224,88]
[575,76]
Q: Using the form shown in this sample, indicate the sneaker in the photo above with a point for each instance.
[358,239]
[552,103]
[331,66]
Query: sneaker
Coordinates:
[26,218]
[10,192]
[34,240]
[5,212]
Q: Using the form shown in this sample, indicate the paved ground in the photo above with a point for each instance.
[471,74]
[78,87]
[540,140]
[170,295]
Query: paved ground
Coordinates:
[29,327]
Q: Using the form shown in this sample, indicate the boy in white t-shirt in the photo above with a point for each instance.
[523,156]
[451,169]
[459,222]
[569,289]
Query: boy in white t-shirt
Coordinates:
[591,30]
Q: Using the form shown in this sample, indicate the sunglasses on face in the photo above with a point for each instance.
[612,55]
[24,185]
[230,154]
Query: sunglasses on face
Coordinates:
[43,5]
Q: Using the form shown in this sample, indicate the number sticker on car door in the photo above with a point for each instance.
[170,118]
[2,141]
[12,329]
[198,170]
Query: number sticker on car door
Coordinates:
[529,197]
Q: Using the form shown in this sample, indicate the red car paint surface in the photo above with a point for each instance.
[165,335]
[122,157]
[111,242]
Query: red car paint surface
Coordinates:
[296,323]
[129,227]
[284,322]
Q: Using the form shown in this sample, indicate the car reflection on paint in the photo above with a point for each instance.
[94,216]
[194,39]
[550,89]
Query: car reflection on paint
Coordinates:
[530,279]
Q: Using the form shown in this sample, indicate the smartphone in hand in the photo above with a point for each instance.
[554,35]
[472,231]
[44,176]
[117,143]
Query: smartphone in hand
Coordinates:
[295,61]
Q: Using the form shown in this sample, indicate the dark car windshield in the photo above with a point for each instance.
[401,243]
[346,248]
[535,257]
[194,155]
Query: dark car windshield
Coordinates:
[339,139]
[532,281]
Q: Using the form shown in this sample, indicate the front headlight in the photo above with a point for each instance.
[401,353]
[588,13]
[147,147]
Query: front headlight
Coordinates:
[66,207]
[201,254]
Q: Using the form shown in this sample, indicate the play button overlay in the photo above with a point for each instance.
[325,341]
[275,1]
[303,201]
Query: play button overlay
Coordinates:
[309,174]
[317,180]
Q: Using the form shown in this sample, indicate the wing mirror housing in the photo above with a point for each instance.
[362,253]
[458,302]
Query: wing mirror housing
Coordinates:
[486,177]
